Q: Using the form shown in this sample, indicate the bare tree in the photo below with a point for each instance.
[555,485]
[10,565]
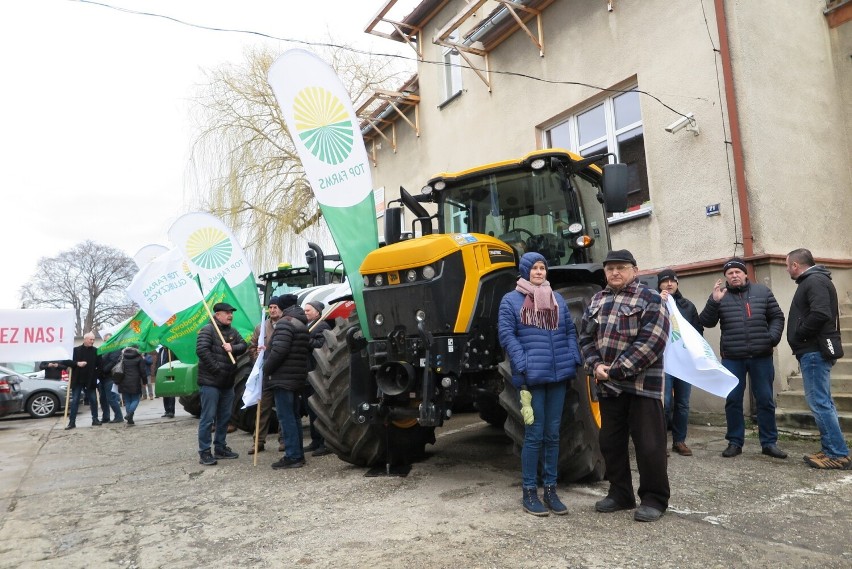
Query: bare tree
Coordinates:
[248,171]
[90,278]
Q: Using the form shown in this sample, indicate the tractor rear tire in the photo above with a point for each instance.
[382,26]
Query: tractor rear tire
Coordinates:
[359,444]
[580,458]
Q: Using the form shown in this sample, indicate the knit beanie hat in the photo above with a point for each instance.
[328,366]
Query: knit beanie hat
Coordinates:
[527,262]
[666,275]
[734,263]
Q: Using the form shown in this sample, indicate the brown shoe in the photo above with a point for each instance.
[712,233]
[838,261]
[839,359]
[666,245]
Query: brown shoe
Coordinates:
[232,428]
[681,449]
[280,447]
[260,448]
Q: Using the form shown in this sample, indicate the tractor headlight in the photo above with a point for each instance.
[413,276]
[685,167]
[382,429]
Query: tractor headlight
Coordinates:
[411,275]
[420,316]
[428,272]
[366,280]
[379,319]
[379,280]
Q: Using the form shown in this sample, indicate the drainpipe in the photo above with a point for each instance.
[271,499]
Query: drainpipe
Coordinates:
[736,141]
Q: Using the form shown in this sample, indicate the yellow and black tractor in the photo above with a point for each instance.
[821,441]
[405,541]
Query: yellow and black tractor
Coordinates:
[431,302]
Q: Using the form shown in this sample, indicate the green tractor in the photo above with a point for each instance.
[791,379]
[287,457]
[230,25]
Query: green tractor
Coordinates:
[432,302]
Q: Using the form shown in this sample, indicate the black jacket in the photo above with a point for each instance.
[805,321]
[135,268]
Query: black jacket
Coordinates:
[134,371]
[814,310]
[317,330]
[53,372]
[214,366]
[86,376]
[105,364]
[285,364]
[688,311]
[751,321]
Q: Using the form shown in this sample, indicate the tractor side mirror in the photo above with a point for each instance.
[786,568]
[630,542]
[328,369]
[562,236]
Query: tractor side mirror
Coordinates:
[615,187]
[393,225]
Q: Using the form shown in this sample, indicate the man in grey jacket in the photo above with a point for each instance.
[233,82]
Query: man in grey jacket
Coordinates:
[752,324]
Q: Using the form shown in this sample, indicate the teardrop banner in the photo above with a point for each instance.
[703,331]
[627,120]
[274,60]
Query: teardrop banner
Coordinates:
[322,123]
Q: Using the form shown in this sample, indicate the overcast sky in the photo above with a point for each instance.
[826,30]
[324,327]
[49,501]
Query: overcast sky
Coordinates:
[95,103]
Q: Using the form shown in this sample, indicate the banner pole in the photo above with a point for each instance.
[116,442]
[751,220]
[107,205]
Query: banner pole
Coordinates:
[68,393]
[216,327]
[257,419]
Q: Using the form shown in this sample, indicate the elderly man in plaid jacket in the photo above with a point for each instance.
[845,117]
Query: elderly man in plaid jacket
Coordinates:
[622,336]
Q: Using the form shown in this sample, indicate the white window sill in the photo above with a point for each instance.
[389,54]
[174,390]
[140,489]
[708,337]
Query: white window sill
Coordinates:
[644,211]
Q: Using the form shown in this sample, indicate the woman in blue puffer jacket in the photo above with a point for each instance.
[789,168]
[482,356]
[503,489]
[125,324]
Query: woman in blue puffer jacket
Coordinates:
[538,336]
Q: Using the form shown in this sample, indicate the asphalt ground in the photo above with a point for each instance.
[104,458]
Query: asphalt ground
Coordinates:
[113,496]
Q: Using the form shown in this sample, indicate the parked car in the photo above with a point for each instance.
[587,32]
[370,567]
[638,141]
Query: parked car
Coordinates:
[11,393]
[40,397]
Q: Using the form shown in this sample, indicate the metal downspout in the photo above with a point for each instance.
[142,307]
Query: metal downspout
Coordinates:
[734,125]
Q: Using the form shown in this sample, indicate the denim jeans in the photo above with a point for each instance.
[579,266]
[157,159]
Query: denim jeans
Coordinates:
[131,401]
[109,400]
[291,424]
[677,406]
[816,374]
[76,394]
[547,403]
[762,374]
[216,406]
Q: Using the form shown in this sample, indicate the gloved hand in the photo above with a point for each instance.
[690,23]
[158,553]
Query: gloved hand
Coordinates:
[526,407]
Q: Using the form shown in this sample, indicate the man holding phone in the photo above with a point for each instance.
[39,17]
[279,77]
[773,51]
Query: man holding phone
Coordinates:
[752,324]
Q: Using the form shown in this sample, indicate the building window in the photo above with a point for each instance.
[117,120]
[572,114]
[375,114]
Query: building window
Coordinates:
[452,71]
[612,125]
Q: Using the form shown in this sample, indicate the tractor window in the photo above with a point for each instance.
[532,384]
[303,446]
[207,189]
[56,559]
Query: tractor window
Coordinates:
[528,210]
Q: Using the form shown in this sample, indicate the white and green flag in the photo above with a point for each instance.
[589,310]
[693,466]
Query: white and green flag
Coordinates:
[162,288]
[322,123]
[215,254]
[690,358]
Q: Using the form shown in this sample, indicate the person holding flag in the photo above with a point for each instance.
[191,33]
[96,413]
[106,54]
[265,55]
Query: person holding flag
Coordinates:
[267,400]
[677,391]
[217,345]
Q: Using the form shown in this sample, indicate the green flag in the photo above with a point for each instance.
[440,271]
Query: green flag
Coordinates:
[180,333]
[140,331]
[322,123]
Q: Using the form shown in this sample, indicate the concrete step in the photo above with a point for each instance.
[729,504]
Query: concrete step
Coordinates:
[839,383]
[843,366]
[801,418]
[795,399]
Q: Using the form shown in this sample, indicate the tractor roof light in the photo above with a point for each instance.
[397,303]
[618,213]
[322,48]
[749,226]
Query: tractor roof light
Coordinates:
[440,185]
[584,241]
[538,164]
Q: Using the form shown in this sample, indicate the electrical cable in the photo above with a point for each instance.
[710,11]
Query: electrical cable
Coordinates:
[388,55]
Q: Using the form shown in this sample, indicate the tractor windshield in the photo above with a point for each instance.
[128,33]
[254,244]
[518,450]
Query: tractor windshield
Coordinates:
[542,211]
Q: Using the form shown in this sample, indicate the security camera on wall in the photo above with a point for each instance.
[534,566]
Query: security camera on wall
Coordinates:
[686,121]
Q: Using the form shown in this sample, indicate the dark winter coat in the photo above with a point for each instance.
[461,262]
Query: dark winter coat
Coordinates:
[317,330]
[134,371]
[285,364]
[750,318]
[813,312]
[86,376]
[537,356]
[688,311]
[214,366]
[52,372]
[105,364]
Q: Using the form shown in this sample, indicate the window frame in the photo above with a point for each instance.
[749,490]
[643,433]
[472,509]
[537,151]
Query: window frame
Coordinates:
[610,138]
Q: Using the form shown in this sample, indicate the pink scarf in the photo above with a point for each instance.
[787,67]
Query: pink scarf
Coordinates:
[539,308]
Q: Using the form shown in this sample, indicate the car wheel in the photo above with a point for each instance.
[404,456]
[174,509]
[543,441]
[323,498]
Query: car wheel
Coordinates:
[42,405]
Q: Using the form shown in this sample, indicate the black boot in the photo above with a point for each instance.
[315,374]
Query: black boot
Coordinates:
[130,422]
[70,426]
